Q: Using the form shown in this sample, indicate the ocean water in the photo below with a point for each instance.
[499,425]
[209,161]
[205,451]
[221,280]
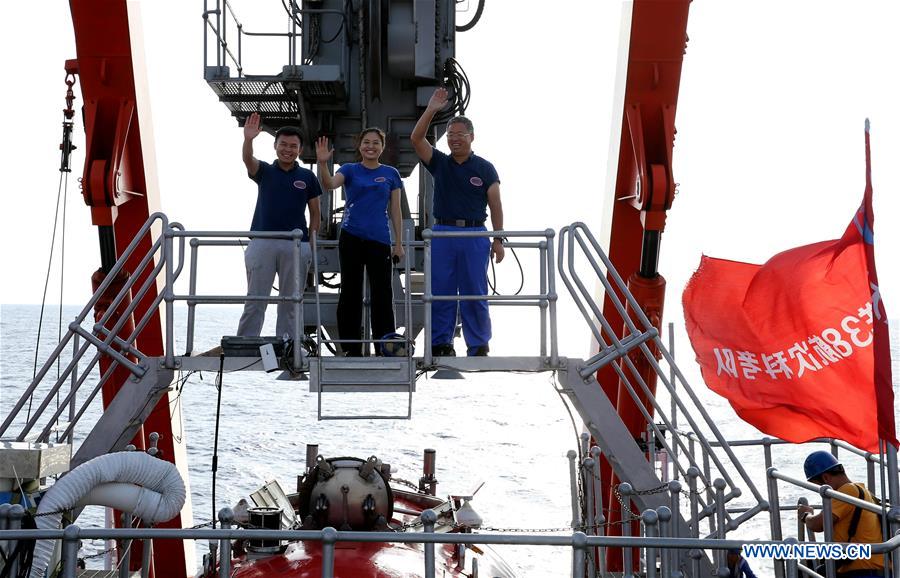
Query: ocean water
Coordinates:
[510,431]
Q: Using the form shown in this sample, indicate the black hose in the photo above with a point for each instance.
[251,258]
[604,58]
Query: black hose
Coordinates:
[471,23]
[215,456]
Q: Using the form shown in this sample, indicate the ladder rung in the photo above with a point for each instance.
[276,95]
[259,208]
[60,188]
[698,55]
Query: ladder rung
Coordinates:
[363,387]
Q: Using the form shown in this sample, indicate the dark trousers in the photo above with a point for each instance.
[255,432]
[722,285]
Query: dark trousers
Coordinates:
[358,255]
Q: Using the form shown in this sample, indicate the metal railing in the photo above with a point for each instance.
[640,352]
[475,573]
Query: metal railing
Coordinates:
[890,513]
[545,300]
[223,29]
[655,546]
[227,239]
[135,294]
[105,340]
[641,335]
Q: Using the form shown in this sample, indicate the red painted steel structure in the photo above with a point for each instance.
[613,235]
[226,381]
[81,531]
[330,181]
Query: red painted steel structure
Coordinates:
[645,190]
[115,188]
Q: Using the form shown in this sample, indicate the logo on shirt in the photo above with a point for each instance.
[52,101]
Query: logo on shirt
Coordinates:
[300,184]
[476,181]
[380,179]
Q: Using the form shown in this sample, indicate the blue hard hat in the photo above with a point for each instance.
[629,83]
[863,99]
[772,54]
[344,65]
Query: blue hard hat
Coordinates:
[396,345]
[817,463]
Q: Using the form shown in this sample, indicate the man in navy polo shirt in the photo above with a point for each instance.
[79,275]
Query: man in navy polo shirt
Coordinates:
[465,185]
[285,190]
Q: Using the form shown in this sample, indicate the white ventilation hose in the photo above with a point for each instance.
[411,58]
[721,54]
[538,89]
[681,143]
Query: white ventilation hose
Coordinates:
[148,487]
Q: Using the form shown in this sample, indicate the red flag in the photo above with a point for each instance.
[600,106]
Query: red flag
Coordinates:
[799,345]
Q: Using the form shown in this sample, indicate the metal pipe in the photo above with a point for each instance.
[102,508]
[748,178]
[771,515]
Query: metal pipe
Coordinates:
[710,492]
[106,349]
[72,391]
[226,517]
[588,482]
[791,567]
[600,518]
[192,305]
[774,507]
[587,470]
[170,302]
[145,558]
[626,517]
[429,517]
[650,519]
[828,520]
[552,298]
[573,489]
[801,526]
[579,542]
[675,505]
[894,495]
[70,551]
[297,297]
[664,513]
[674,405]
[542,314]
[125,547]
[427,297]
[428,482]
[490,298]
[719,485]
[408,332]
[312,454]
[827,491]
[692,473]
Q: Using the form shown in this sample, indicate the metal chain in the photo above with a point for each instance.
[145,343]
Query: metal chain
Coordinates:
[406,483]
[98,554]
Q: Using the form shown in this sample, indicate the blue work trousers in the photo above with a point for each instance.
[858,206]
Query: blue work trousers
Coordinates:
[459,267]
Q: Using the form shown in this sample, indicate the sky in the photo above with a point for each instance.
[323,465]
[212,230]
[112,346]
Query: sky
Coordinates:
[768,155]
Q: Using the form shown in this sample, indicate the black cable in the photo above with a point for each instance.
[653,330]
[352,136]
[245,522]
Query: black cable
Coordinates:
[493,285]
[471,24]
[457,83]
[37,345]
[556,387]
[336,34]
[215,456]
[62,279]
[291,13]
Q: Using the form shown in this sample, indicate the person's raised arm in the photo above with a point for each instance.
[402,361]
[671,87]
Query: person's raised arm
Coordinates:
[323,154]
[496,207]
[251,131]
[423,148]
[397,221]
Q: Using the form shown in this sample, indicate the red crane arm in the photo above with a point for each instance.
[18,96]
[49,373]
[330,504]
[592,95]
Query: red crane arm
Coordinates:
[645,187]
[115,187]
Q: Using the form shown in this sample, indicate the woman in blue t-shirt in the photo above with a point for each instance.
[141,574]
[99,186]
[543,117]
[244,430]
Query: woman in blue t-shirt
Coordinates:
[372,191]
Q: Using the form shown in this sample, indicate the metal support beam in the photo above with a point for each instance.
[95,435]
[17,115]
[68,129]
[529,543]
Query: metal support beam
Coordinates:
[627,460]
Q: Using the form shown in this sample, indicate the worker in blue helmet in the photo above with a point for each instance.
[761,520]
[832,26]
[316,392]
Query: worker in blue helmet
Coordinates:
[737,565]
[850,524]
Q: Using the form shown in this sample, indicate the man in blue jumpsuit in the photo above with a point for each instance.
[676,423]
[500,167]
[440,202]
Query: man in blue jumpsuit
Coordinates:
[285,190]
[465,185]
